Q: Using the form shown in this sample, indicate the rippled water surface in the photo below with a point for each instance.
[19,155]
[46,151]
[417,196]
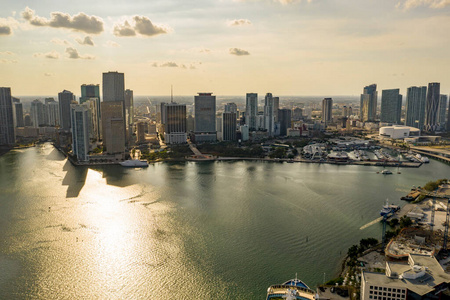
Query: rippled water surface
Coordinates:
[224,230]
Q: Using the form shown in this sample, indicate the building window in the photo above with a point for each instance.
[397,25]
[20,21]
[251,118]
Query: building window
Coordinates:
[370,297]
[371,292]
[389,289]
[371,287]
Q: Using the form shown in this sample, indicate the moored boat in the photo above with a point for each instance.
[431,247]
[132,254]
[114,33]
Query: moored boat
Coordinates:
[293,289]
[134,163]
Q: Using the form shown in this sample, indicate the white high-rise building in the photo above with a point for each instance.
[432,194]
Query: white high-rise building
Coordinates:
[80,131]
[37,113]
[251,110]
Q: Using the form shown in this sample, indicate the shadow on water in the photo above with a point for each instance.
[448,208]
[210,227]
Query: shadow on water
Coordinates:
[115,175]
[55,155]
[75,179]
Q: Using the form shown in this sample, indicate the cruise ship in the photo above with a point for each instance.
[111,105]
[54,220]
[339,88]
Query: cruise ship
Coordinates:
[293,289]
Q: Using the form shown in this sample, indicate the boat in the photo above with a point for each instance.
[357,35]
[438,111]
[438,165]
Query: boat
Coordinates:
[386,172]
[134,163]
[421,158]
[388,209]
[293,289]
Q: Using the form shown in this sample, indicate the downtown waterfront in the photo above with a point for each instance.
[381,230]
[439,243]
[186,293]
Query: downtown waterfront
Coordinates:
[214,230]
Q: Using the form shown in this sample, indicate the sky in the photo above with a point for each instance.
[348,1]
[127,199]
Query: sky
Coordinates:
[228,47]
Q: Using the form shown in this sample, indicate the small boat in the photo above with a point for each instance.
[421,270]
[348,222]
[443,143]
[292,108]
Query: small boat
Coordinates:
[388,209]
[134,163]
[386,172]
[293,289]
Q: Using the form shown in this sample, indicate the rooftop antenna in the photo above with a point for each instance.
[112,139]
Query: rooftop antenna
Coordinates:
[171,94]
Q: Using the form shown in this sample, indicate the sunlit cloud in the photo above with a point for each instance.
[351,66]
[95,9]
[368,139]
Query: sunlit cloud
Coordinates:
[111,44]
[238,52]
[171,64]
[7,61]
[7,53]
[284,2]
[80,22]
[60,42]
[50,55]
[410,4]
[86,41]
[139,25]
[73,54]
[239,22]
[48,74]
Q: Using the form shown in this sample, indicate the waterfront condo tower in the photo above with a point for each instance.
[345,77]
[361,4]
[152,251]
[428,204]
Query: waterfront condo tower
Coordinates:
[65,99]
[175,126]
[391,106]
[80,131]
[431,106]
[368,103]
[415,106]
[251,110]
[327,110]
[7,133]
[205,118]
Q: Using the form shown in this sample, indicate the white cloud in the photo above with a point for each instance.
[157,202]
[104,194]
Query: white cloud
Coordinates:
[48,74]
[7,53]
[139,25]
[111,44]
[7,61]
[50,55]
[60,42]
[238,52]
[239,22]
[87,41]
[73,54]
[171,64]
[409,4]
[80,22]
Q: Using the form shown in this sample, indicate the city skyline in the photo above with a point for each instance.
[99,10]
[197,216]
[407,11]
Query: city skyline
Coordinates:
[311,47]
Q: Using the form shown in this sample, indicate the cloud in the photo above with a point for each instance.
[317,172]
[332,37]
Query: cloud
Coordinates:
[61,42]
[50,55]
[111,44]
[239,52]
[7,61]
[284,2]
[7,53]
[239,22]
[73,53]
[171,64]
[80,22]
[139,25]
[5,30]
[409,4]
[87,41]
[48,74]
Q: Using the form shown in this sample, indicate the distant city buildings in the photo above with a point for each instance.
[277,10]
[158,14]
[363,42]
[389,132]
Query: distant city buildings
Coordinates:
[415,106]
[431,106]
[327,110]
[368,103]
[7,133]
[391,106]
[205,118]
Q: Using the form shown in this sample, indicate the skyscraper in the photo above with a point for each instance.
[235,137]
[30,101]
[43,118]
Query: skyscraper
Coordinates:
[114,122]
[175,127]
[431,106]
[18,114]
[276,107]
[391,106]
[284,118]
[230,107]
[89,91]
[93,119]
[129,105]
[327,110]
[229,126]
[7,134]
[415,106]
[37,113]
[80,131]
[52,111]
[368,103]
[251,110]
[269,119]
[113,87]
[442,111]
[65,98]
[205,117]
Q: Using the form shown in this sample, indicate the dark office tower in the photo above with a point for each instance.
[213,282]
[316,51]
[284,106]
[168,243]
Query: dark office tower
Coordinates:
[229,126]
[162,110]
[89,91]
[230,107]
[175,127]
[297,114]
[327,110]
[269,120]
[27,120]
[65,98]
[113,127]
[431,106]
[114,91]
[415,106]
[129,106]
[368,103]
[7,134]
[276,107]
[113,87]
[448,119]
[442,110]
[18,114]
[391,106]
[284,118]
[205,118]
[251,110]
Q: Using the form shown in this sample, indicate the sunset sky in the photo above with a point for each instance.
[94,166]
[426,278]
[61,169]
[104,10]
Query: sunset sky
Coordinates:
[287,47]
